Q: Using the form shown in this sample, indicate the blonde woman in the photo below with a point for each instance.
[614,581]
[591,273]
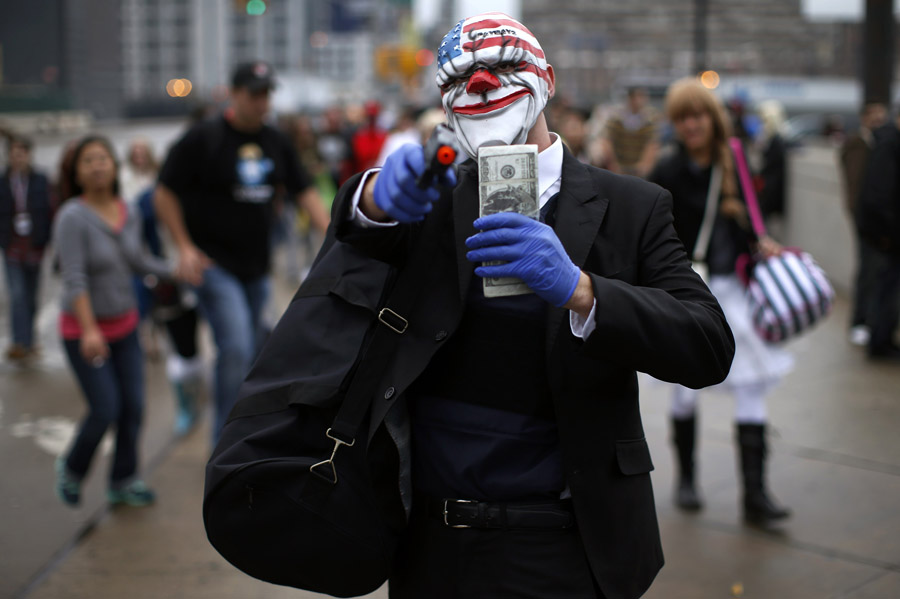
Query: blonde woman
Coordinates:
[702,131]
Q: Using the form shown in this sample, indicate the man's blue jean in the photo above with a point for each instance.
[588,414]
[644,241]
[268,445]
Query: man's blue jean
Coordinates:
[234,310]
[115,397]
[22,281]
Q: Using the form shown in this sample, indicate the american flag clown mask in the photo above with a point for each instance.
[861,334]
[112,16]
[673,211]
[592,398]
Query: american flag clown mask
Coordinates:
[494,80]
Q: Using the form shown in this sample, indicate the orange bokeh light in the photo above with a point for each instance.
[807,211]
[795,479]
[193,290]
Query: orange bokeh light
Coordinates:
[709,79]
[424,57]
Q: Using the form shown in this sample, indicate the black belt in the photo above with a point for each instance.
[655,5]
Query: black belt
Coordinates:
[462,513]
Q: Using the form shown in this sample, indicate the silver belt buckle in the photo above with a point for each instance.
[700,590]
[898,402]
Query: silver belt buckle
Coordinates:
[446,513]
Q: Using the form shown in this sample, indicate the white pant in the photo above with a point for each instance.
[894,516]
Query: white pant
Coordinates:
[749,405]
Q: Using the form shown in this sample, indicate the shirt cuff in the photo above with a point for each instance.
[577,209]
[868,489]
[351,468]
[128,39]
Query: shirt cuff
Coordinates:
[583,327]
[356,215]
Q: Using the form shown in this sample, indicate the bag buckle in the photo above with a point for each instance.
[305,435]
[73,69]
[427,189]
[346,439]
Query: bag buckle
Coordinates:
[324,465]
[393,321]
[447,513]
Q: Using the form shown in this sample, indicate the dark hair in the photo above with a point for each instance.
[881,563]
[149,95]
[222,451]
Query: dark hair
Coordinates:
[75,188]
[635,90]
[18,140]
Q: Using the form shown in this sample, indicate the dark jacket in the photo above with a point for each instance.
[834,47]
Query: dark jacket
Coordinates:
[689,186]
[854,155]
[878,208]
[39,207]
[654,315]
[774,176]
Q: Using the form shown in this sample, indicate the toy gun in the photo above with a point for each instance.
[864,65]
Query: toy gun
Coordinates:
[440,152]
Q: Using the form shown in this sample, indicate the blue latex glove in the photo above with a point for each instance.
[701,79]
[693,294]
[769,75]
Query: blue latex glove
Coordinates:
[396,191]
[532,252]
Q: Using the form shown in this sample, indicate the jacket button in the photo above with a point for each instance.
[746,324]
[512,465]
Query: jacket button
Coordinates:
[441,335]
[389,393]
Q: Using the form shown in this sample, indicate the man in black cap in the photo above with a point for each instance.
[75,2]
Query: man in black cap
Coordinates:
[215,194]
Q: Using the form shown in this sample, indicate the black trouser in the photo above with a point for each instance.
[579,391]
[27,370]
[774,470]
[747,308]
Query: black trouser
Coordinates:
[439,562]
[885,311]
[183,333]
[869,264]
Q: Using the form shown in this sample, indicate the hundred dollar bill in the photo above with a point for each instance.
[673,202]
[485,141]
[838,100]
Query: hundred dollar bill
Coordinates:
[507,182]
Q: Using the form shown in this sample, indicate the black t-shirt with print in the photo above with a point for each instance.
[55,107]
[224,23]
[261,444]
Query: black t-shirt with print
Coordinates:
[226,181]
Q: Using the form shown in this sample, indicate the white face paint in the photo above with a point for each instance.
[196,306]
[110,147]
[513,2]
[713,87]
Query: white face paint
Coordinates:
[494,80]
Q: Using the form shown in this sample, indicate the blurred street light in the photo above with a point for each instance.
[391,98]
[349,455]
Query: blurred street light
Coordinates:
[179,88]
[709,79]
[256,7]
[400,61]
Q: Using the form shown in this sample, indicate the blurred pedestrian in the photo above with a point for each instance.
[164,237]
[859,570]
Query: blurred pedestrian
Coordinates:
[334,145]
[631,136]
[854,157]
[366,142]
[403,132]
[99,246]
[64,173]
[878,216]
[26,213]
[427,121]
[172,306]
[216,196]
[773,173]
[573,129]
[833,129]
[702,130]
[139,171]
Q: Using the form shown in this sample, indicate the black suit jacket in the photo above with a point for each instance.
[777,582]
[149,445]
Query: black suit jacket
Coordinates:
[654,314]
[38,205]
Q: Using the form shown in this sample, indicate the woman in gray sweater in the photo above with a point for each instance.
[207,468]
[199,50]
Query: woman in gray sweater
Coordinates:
[99,246]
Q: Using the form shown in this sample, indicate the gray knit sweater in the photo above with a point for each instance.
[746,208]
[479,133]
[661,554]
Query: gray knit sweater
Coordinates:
[95,258]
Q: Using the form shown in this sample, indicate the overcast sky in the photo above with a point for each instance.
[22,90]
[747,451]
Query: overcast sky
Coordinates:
[835,8]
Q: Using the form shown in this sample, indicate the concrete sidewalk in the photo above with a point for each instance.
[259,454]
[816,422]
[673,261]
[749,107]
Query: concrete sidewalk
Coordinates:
[835,460]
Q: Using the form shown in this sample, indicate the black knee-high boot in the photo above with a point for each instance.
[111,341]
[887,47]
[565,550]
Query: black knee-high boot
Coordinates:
[759,507]
[684,434]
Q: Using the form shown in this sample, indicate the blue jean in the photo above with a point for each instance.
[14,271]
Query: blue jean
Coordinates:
[234,311]
[115,397]
[22,281]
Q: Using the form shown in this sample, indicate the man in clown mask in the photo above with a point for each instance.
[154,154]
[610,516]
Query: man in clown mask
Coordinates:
[523,467]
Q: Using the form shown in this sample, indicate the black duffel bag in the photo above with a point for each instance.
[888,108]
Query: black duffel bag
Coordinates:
[296,492]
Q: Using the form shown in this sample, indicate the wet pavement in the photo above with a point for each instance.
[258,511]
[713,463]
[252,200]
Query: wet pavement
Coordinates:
[835,460]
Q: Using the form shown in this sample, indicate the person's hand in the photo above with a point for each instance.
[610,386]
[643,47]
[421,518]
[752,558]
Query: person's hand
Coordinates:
[768,247]
[396,192]
[191,264]
[734,209]
[93,347]
[531,250]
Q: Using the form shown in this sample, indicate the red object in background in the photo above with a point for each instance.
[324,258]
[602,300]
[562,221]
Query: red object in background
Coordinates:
[366,144]
[367,141]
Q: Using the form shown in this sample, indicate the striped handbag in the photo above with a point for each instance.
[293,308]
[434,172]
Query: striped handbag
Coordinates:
[788,293]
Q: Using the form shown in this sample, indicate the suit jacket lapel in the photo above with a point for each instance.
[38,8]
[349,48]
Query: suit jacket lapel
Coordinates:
[465,211]
[580,210]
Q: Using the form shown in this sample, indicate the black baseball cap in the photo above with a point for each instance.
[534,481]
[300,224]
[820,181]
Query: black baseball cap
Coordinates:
[255,76]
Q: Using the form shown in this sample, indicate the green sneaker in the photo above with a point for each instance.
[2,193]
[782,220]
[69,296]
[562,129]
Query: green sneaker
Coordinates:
[136,494]
[67,488]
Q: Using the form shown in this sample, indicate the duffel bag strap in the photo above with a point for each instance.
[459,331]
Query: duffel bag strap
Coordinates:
[375,356]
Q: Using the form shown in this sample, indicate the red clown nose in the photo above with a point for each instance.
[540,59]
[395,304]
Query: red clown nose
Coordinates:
[481,82]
